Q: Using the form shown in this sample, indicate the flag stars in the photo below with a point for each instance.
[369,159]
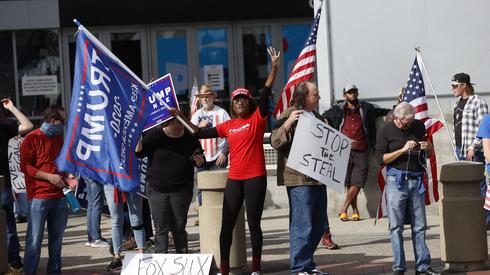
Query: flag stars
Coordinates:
[80,98]
[79,110]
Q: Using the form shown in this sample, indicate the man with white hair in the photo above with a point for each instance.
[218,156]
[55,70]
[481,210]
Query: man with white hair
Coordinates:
[402,146]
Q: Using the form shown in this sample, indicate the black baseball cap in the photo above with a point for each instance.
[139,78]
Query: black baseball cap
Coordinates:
[461,78]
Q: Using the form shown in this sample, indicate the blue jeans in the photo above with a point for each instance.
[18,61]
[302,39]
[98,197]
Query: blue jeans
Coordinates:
[20,205]
[55,213]
[13,246]
[307,222]
[398,201]
[135,208]
[478,157]
[95,200]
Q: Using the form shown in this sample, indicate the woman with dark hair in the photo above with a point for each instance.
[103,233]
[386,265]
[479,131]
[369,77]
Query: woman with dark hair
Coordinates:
[174,153]
[247,179]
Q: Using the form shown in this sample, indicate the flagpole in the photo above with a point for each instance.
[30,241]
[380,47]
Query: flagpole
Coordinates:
[120,63]
[419,56]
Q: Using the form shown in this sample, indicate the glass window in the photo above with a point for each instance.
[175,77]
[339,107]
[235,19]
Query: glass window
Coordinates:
[255,57]
[127,47]
[293,40]
[172,58]
[213,62]
[7,78]
[38,67]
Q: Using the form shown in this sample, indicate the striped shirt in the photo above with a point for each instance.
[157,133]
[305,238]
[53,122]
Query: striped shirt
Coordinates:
[213,146]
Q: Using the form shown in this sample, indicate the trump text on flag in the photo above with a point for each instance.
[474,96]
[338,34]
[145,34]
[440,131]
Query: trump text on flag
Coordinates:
[320,152]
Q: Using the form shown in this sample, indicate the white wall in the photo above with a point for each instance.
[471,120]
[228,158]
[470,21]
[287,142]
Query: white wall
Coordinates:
[372,45]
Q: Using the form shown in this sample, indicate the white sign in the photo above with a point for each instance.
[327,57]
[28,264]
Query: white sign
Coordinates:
[39,85]
[213,75]
[320,152]
[166,264]
[16,176]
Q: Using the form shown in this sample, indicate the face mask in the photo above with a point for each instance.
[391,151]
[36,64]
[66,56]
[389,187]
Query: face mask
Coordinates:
[51,130]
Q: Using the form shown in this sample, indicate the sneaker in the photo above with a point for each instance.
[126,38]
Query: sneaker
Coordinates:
[100,243]
[255,273]
[150,246]
[327,241]
[129,244]
[115,264]
[89,244]
[20,219]
[318,272]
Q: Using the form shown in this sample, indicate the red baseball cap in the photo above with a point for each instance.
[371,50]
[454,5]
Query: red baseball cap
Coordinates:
[240,91]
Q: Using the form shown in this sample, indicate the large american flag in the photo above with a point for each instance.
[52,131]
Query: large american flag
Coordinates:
[304,67]
[194,100]
[415,95]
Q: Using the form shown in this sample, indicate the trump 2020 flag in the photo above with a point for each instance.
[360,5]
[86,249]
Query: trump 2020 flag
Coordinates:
[107,115]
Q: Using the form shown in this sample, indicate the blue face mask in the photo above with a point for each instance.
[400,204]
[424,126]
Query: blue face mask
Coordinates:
[52,130]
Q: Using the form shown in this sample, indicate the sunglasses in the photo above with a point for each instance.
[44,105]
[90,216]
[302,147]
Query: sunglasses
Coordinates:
[455,85]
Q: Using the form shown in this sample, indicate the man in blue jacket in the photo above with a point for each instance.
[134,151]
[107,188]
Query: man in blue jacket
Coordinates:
[357,120]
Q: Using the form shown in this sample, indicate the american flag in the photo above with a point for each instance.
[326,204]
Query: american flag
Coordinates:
[194,100]
[303,69]
[415,95]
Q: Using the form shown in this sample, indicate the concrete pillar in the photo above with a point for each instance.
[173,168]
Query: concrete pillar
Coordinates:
[463,225]
[212,185]
[3,234]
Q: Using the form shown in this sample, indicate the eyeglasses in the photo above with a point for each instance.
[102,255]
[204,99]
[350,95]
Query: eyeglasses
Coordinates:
[455,85]
[407,125]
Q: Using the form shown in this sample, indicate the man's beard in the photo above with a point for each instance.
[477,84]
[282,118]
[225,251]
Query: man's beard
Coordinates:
[353,101]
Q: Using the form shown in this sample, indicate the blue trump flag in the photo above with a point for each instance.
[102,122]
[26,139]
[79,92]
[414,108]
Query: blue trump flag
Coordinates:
[107,116]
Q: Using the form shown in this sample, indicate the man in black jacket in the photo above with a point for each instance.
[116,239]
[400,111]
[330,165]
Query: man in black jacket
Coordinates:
[357,120]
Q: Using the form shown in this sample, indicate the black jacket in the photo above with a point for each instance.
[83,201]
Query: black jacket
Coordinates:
[369,113]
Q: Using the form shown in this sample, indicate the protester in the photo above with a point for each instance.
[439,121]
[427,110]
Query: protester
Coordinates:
[307,197]
[469,110]
[174,153]
[9,130]
[357,120]
[484,134]
[95,203]
[44,184]
[115,201]
[210,115]
[247,179]
[401,147]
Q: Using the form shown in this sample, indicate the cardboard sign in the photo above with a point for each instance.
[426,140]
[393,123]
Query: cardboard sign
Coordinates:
[16,176]
[164,88]
[166,264]
[320,152]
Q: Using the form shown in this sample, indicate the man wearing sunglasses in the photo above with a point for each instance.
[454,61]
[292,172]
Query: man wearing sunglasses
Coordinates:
[469,110]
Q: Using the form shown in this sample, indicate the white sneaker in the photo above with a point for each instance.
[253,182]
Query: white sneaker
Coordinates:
[255,273]
[100,243]
[89,244]
[319,272]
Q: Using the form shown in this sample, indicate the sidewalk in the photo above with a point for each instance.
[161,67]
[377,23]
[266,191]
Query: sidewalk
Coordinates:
[364,247]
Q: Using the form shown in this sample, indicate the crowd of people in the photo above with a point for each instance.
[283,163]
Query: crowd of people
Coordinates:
[219,141]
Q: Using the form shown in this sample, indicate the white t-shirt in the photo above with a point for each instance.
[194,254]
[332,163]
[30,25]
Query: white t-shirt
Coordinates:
[212,146]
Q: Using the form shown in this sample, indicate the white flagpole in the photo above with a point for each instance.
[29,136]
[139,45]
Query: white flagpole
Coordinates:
[120,63]
[419,57]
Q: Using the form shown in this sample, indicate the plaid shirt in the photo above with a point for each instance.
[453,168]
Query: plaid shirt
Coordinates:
[473,113]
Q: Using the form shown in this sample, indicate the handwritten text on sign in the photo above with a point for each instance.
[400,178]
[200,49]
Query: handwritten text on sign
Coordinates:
[166,264]
[320,152]
[16,176]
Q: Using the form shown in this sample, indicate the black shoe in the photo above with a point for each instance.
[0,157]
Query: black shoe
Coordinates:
[20,219]
[428,271]
[398,272]
[115,264]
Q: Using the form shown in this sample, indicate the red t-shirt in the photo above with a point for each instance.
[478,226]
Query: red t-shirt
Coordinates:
[352,128]
[245,138]
[38,152]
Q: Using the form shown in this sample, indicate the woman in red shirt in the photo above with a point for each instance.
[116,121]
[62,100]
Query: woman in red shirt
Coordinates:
[247,179]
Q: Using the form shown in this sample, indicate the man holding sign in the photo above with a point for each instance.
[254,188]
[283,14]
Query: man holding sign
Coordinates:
[307,196]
